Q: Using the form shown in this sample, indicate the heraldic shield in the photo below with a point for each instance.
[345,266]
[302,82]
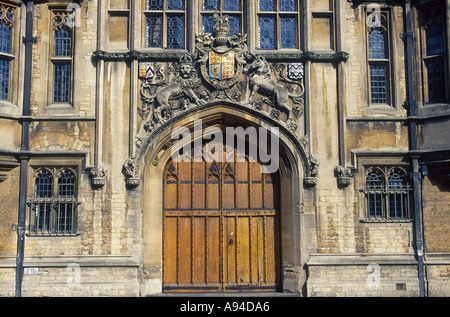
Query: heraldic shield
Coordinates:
[221,66]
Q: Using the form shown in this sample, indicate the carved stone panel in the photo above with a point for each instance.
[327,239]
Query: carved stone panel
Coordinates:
[221,70]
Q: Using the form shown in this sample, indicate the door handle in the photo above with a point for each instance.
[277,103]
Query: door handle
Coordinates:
[230,241]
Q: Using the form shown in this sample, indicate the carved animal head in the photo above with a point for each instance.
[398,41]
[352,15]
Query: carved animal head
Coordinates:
[259,66]
[185,67]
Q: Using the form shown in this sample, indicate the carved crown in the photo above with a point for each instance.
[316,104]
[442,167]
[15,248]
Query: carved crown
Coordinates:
[221,28]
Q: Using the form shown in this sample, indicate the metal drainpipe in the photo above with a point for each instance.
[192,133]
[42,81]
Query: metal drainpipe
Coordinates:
[28,40]
[408,36]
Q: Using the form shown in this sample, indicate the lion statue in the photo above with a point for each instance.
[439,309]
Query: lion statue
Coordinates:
[183,85]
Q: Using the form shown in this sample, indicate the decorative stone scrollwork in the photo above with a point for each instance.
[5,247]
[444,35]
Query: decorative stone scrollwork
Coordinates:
[221,71]
[181,86]
[260,79]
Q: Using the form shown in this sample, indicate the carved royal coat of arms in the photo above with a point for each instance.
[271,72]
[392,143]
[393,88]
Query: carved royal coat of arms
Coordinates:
[221,57]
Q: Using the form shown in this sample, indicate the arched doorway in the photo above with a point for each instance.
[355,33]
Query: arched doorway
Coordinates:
[221,223]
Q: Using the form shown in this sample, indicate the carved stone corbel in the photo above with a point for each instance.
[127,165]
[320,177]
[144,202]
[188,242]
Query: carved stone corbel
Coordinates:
[344,175]
[310,179]
[98,176]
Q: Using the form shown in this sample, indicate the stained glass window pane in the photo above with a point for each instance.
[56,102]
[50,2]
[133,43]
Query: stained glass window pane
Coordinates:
[377,44]
[436,80]
[153,31]
[267,33]
[175,32]
[175,5]
[288,34]
[378,84]
[435,40]
[235,25]
[4,79]
[231,5]
[266,5]
[287,5]
[210,5]
[61,83]
[207,24]
[63,42]
[5,37]
[154,4]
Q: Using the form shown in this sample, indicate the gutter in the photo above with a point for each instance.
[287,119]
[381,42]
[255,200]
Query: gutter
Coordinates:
[408,38]
[28,41]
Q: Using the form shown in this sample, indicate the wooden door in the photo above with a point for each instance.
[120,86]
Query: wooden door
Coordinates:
[220,227]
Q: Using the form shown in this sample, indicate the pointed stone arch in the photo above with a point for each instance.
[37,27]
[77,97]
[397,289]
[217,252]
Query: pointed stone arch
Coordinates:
[157,138]
[148,195]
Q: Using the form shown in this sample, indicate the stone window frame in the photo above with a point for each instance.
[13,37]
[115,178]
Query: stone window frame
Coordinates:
[13,80]
[277,13]
[164,13]
[389,199]
[385,12]
[193,14]
[383,162]
[55,162]
[68,22]
[424,57]
[55,206]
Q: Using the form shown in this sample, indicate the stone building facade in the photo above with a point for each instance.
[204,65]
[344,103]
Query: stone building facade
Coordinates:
[355,94]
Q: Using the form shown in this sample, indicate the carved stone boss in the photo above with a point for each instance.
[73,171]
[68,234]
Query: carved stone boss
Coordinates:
[220,71]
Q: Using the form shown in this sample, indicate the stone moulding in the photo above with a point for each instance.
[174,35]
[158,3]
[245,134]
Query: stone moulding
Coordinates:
[132,166]
[130,56]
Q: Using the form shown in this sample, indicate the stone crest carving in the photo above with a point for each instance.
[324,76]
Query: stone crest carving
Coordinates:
[220,70]
[221,57]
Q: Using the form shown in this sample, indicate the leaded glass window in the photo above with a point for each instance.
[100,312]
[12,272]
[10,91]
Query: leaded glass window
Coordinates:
[434,55]
[53,209]
[4,78]
[62,56]
[66,184]
[64,214]
[165,24]
[43,184]
[378,84]
[231,8]
[278,24]
[6,49]
[398,195]
[267,33]
[374,192]
[5,37]
[387,194]
[377,43]
[378,60]
[63,41]
[61,83]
